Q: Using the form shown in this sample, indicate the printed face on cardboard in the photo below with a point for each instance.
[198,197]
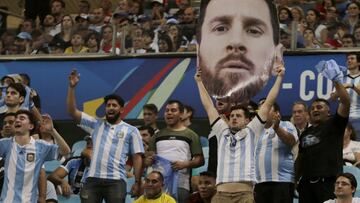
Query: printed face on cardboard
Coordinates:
[237,47]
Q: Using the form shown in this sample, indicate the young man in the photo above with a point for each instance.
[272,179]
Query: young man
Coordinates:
[150,112]
[236,143]
[345,187]
[178,144]
[25,156]
[207,188]
[237,43]
[113,140]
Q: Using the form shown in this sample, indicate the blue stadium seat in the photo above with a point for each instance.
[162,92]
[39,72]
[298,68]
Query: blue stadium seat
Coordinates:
[356,172]
[204,141]
[197,171]
[71,199]
[79,145]
[50,166]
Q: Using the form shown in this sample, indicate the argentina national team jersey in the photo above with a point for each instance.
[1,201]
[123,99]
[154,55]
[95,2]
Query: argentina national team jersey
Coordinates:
[274,158]
[111,146]
[354,97]
[236,152]
[22,168]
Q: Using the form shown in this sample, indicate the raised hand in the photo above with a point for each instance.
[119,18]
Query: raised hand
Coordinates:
[47,124]
[74,78]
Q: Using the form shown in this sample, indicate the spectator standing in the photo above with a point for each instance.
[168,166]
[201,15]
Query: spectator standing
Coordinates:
[275,160]
[150,115]
[113,141]
[320,148]
[178,144]
[236,143]
[30,156]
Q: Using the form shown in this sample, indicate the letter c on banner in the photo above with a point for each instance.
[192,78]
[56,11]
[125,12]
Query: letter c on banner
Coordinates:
[306,96]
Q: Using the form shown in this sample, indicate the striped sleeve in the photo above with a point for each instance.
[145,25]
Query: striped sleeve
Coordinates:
[136,142]
[87,122]
[218,127]
[290,128]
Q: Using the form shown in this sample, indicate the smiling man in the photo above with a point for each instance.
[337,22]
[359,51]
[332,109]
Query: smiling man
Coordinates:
[178,144]
[113,140]
[237,43]
[320,148]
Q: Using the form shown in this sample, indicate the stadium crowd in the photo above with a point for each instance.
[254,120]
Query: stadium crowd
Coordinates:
[153,26]
[252,153]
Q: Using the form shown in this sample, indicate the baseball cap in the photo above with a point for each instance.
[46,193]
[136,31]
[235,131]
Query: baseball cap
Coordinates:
[83,16]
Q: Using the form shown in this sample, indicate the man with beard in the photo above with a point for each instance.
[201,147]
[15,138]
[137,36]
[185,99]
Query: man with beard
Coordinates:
[154,183]
[113,140]
[237,139]
[238,43]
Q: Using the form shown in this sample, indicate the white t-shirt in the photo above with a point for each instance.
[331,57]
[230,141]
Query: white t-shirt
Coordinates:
[354,200]
[348,152]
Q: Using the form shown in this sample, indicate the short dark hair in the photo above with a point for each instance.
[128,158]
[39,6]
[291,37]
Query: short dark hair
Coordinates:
[19,88]
[180,104]
[191,109]
[30,116]
[61,1]
[240,107]
[26,76]
[350,177]
[148,128]
[276,107]
[208,174]
[273,16]
[119,100]
[9,114]
[357,54]
[151,107]
[321,100]
[161,177]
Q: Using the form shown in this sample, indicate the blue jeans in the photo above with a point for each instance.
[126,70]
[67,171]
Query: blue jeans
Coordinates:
[98,189]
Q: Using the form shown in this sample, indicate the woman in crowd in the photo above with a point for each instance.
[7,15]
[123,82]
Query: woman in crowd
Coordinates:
[351,148]
[67,28]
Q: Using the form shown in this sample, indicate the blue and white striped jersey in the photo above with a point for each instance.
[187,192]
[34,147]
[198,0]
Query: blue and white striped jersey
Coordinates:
[22,168]
[274,158]
[111,146]
[236,153]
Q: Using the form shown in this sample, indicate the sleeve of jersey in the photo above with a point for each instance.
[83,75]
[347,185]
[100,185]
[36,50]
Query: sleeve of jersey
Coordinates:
[256,125]
[136,142]
[50,150]
[5,145]
[68,166]
[218,127]
[87,122]
[290,128]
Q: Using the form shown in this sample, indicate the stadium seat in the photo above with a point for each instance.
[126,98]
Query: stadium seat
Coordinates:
[204,141]
[197,171]
[356,172]
[71,199]
[79,145]
[50,166]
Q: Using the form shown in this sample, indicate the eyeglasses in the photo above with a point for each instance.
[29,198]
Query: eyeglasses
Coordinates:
[342,184]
